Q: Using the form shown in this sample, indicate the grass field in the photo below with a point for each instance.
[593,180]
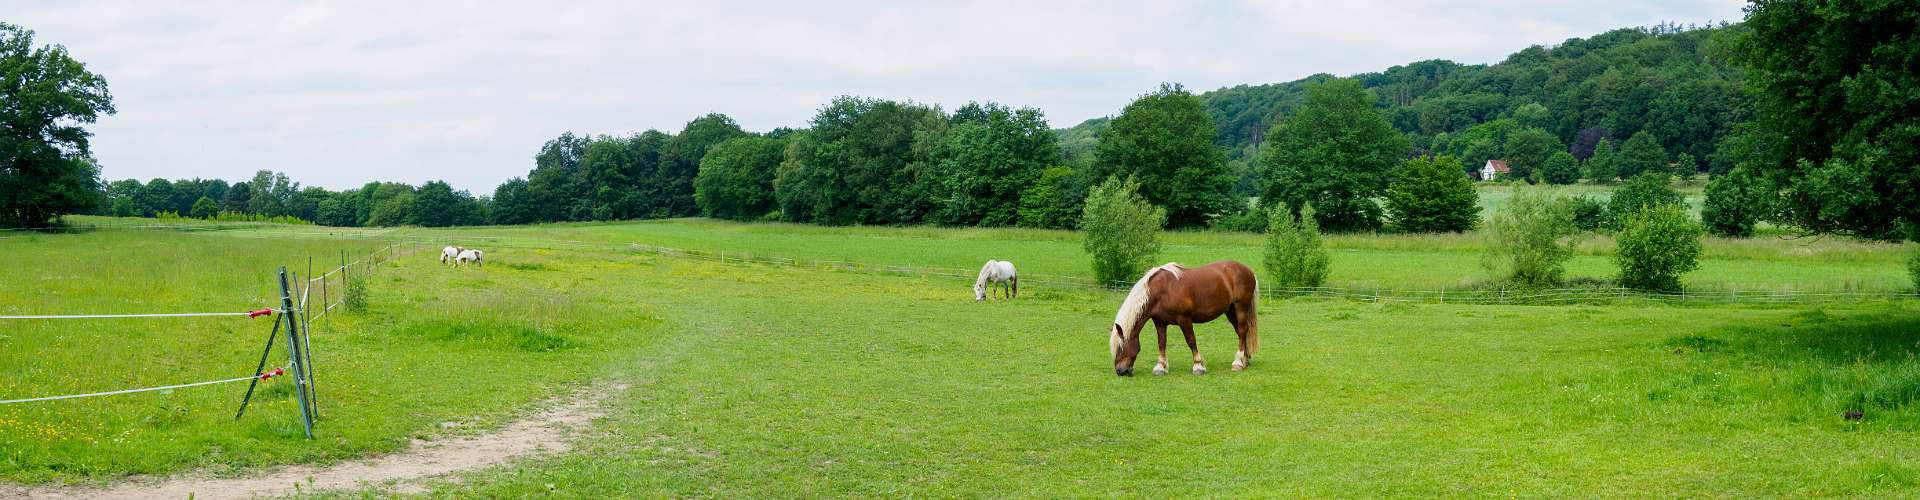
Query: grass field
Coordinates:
[752,380]
[1423,262]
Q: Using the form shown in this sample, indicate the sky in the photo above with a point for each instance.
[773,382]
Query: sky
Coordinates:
[336,94]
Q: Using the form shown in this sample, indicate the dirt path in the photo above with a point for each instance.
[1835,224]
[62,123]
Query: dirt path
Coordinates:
[540,434]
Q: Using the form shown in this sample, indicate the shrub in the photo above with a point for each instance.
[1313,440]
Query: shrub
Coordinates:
[1432,194]
[1561,168]
[1658,244]
[1530,239]
[356,292]
[204,208]
[1588,214]
[1249,218]
[1640,192]
[1122,231]
[1735,202]
[1295,258]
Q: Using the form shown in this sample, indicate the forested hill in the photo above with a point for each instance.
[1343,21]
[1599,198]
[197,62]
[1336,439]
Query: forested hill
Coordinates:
[1667,80]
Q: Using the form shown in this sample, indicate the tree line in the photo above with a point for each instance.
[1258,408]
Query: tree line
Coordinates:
[1375,151]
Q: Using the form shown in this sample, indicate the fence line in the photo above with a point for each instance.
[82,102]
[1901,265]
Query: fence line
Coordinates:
[250,314]
[262,376]
[392,251]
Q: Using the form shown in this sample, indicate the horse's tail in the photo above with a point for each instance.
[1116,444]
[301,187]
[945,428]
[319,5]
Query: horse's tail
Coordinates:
[1015,282]
[1253,318]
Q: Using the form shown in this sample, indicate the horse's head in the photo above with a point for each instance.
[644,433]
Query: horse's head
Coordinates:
[1125,346]
[979,292]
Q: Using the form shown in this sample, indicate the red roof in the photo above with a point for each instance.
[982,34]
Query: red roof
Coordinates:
[1499,166]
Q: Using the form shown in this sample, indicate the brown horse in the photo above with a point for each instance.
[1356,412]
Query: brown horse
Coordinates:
[1176,295]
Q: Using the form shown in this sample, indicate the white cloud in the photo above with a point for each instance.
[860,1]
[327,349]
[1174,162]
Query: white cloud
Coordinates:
[336,94]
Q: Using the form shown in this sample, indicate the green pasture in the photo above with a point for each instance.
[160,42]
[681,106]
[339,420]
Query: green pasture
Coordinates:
[754,380]
[1386,261]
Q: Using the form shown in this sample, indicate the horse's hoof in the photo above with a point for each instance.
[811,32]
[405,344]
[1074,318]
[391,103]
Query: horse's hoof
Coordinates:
[1239,366]
[1199,370]
[1159,370]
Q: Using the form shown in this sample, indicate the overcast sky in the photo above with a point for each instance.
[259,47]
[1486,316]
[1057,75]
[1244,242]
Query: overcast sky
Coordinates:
[336,94]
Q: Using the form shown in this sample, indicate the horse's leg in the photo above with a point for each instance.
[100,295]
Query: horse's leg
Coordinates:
[1199,365]
[1240,326]
[1160,368]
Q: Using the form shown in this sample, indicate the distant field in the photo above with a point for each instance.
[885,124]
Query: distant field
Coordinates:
[1494,196]
[755,381]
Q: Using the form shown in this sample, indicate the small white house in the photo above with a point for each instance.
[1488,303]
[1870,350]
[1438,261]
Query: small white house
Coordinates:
[1493,169]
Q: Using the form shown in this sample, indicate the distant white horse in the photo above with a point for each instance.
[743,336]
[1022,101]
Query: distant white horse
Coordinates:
[996,271]
[470,256]
[450,255]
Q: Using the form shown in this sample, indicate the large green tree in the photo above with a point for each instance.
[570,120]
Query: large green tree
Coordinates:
[1432,194]
[513,204]
[561,190]
[1561,168]
[680,162]
[736,178]
[1641,154]
[273,194]
[437,204]
[991,154]
[608,163]
[1838,111]
[1527,153]
[46,96]
[1337,152]
[1164,140]
[863,162]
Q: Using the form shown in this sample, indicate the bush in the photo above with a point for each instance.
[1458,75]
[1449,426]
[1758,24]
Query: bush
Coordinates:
[356,292]
[1122,231]
[1640,192]
[1588,214]
[1735,202]
[1657,245]
[1295,258]
[1561,168]
[1432,194]
[204,208]
[1249,219]
[1530,239]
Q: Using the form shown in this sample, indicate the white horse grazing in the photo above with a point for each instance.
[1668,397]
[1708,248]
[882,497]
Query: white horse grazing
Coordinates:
[450,255]
[470,256]
[996,271]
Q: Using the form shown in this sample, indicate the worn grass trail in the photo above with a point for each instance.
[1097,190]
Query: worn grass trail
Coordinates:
[807,383]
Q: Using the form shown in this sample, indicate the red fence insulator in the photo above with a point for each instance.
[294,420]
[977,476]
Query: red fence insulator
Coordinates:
[259,313]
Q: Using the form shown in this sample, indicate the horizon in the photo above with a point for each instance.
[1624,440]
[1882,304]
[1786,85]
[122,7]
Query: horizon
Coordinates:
[339,95]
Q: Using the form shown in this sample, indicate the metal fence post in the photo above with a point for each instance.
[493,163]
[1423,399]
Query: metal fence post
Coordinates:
[293,352]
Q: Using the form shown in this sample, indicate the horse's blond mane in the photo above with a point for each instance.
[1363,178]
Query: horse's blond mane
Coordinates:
[1136,305]
[984,271]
